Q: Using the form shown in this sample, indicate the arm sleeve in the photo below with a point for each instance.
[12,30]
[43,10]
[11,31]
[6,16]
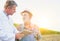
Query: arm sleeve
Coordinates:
[4,35]
[13,27]
[38,33]
[2,32]
[39,36]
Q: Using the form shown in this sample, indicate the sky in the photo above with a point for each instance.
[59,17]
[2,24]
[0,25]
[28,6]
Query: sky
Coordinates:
[46,13]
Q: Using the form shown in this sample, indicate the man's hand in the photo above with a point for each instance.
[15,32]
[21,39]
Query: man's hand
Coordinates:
[19,36]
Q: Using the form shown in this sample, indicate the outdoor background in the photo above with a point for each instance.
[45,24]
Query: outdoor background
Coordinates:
[46,14]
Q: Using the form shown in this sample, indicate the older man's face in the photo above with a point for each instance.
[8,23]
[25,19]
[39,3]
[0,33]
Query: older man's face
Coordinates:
[12,10]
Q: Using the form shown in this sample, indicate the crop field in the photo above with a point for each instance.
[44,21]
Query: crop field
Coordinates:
[50,38]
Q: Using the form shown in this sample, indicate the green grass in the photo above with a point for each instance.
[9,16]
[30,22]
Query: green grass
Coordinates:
[16,24]
[47,32]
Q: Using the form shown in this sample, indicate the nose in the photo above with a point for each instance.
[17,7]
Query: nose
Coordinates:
[14,11]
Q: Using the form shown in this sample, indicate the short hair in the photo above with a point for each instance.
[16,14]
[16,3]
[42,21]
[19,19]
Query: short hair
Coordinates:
[10,3]
[26,11]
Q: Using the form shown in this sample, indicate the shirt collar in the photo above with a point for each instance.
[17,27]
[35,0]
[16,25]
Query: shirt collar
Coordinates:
[6,14]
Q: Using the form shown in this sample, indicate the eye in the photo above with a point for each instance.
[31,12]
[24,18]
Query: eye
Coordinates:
[24,14]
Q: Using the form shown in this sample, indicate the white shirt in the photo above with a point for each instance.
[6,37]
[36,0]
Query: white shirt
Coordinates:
[7,29]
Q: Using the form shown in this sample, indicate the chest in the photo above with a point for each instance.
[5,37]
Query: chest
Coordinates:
[7,25]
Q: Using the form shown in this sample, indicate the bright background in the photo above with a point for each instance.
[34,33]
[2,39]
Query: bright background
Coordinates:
[46,13]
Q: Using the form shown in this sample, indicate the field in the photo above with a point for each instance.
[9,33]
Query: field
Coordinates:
[51,37]
[45,31]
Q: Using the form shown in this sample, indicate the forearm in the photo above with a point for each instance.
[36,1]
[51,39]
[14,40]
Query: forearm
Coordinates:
[39,40]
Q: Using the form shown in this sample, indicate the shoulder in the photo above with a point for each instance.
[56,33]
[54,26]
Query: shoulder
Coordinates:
[2,14]
[34,26]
